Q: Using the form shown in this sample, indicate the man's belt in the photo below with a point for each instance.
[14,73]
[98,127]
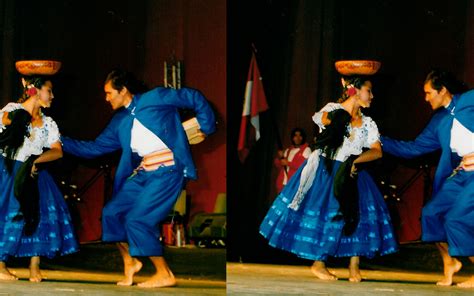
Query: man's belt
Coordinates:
[154,160]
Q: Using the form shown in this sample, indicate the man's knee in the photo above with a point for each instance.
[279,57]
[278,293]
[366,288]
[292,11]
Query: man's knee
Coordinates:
[429,212]
[136,223]
[106,212]
[454,222]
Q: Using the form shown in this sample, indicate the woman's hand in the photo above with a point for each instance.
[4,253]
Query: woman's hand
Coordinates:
[325,120]
[353,171]
[5,119]
[34,171]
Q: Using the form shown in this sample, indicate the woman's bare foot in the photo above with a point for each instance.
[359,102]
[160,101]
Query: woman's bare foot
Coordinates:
[6,275]
[467,284]
[354,272]
[449,270]
[321,272]
[159,281]
[129,270]
[35,274]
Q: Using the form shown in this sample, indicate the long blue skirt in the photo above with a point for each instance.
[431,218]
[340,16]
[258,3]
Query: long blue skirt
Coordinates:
[55,233]
[311,233]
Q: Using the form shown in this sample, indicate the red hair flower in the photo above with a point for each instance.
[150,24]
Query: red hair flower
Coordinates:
[31,91]
[351,90]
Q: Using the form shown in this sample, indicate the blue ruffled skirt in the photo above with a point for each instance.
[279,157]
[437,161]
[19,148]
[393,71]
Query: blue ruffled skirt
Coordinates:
[311,233]
[55,233]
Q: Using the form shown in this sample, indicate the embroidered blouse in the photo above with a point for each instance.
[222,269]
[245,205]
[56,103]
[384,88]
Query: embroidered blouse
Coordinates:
[39,137]
[360,137]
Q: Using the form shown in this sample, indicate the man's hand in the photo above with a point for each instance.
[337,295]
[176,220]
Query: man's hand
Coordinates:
[467,162]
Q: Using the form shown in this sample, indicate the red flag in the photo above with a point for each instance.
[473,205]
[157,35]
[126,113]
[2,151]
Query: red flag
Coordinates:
[254,103]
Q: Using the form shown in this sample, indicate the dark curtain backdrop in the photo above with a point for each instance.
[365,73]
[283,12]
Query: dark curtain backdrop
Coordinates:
[92,37]
[298,43]
[296,68]
[7,31]
[469,56]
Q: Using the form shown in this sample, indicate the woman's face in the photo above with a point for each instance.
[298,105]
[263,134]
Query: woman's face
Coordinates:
[365,95]
[46,94]
[297,139]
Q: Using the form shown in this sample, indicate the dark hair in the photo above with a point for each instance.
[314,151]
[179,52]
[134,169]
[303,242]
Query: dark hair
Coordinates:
[12,138]
[440,78]
[35,80]
[302,133]
[121,78]
[356,81]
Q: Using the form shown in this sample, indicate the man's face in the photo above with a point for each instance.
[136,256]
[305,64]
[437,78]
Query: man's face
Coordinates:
[114,97]
[432,96]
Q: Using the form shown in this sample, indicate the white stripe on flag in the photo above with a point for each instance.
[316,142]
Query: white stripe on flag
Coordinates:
[247,99]
[256,124]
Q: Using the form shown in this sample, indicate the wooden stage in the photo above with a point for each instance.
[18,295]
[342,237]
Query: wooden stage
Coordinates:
[268,279]
[96,268]
[72,282]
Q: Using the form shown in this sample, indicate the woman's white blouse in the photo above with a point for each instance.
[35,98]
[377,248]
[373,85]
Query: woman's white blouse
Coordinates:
[40,137]
[359,137]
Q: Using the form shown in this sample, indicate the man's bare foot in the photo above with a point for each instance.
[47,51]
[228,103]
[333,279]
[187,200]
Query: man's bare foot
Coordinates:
[129,270]
[6,275]
[35,274]
[159,281]
[467,284]
[449,271]
[321,272]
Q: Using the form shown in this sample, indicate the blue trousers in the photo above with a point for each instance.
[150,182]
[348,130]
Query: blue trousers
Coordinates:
[449,216]
[141,204]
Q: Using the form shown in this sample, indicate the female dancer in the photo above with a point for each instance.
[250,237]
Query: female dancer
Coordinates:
[34,218]
[329,208]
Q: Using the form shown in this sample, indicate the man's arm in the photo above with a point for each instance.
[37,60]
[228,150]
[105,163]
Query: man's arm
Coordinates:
[106,142]
[188,98]
[425,143]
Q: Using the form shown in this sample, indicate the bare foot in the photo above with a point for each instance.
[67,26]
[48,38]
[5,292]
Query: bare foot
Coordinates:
[35,274]
[321,272]
[467,284]
[354,274]
[130,269]
[159,281]
[6,275]
[449,271]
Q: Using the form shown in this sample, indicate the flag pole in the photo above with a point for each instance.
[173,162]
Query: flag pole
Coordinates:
[272,117]
[279,143]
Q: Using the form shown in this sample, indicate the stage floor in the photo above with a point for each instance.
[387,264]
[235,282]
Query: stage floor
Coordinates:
[267,279]
[96,268]
[101,283]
